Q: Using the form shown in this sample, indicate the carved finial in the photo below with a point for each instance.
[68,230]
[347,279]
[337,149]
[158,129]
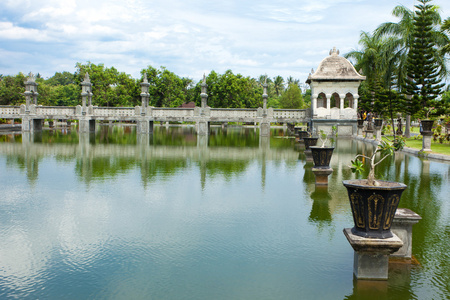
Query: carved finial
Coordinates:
[265,79]
[204,78]
[312,70]
[31,77]
[86,77]
[334,51]
[145,78]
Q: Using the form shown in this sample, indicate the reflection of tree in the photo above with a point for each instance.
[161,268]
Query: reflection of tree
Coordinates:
[320,211]
[235,137]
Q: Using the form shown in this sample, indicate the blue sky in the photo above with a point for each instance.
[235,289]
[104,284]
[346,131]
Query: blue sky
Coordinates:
[189,38]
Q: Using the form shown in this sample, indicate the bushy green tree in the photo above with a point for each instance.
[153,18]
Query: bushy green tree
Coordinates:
[12,89]
[292,98]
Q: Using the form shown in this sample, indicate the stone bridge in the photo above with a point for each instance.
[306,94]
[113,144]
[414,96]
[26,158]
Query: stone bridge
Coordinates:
[334,106]
[33,115]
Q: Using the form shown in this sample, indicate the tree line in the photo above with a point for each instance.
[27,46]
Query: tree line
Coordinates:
[406,64]
[113,88]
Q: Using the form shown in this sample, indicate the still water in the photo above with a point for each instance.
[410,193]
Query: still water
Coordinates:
[117,215]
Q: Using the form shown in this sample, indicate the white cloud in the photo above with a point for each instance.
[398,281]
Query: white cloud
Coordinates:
[188,37]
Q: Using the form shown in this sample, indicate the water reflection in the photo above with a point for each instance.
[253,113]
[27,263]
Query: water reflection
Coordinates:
[173,215]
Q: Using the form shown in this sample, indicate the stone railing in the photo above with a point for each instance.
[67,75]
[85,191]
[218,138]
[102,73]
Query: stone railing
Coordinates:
[6,110]
[112,112]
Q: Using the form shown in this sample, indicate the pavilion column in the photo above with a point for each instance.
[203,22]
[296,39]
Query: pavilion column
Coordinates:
[314,104]
[328,101]
[341,106]
[355,103]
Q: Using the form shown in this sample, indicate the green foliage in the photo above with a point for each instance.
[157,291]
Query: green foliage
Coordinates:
[423,71]
[386,148]
[11,89]
[232,91]
[292,98]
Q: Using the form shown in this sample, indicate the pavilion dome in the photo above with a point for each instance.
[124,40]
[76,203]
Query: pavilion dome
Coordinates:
[335,68]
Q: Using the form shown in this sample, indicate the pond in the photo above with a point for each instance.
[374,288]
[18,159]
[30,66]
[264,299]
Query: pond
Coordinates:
[116,215]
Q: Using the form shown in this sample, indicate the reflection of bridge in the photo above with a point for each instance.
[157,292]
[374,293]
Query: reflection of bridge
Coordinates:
[149,159]
[143,150]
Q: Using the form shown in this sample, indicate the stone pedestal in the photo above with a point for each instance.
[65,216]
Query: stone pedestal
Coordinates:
[377,133]
[264,129]
[322,175]
[426,141]
[203,127]
[371,257]
[402,226]
[86,125]
[144,126]
[369,133]
[308,155]
[360,130]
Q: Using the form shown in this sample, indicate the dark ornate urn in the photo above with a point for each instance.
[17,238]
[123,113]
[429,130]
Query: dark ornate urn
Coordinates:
[310,141]
[373,207]
[302,134]
[427,125]
[321,156]
[360,122]
[378,122]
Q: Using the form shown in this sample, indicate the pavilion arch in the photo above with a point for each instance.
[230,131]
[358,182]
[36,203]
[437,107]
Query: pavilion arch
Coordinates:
[321,101]
[349,100]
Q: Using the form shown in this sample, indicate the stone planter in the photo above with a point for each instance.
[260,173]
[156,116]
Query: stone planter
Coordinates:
[302,134]
[69,123]
[50,124]
[360,122]
[373,207]
[321,156]
[427,125]
[310,141]
[378,122]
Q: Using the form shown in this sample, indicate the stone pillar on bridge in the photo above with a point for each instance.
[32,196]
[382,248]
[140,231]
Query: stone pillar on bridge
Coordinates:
[86,93]
[144,124]
[29,122]
[264,126]
[86,124]
[31,90]
[145,94]
[202,123]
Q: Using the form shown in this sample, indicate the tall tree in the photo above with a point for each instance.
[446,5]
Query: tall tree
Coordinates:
[278,84]
[445,28]
[292,97]
[423,70]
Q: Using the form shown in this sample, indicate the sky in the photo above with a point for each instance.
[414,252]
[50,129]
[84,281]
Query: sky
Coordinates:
[187,37]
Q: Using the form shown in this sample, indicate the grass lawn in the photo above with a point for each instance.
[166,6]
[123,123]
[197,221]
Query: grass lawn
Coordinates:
[436,147]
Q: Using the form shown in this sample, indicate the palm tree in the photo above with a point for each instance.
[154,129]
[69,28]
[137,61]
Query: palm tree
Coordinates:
[278,84]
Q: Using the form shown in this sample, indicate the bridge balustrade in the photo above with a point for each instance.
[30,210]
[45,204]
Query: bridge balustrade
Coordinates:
[9,110]
[237,113]
[66,111]
[162,113]
[111,112]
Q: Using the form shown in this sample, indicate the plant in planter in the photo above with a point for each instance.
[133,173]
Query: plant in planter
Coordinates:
[322,155]
[374,202]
